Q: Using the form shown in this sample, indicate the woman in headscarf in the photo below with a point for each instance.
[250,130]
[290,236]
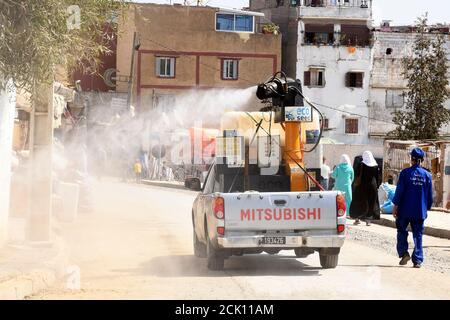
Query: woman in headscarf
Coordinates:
[344,176]
[365,204]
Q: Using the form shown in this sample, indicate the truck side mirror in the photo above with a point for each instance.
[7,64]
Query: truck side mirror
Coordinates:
[193,184]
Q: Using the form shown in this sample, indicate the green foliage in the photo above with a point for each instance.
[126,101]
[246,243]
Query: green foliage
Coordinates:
[38,35]
[271,28]
[426,72]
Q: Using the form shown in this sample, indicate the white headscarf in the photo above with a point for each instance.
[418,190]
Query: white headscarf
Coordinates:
[346,159]
[368,159]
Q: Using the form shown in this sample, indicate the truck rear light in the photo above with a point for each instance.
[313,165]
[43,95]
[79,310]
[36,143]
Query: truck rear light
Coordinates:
[340,228]
[340,205]
[219,208]
[221,230]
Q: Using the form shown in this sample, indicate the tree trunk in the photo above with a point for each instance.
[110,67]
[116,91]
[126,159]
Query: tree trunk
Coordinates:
[7,111]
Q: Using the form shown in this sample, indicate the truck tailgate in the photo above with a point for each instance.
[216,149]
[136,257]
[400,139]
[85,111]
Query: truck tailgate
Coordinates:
[280,211]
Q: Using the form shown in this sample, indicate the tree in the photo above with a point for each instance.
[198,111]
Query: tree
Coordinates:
[426,73]
[36,36]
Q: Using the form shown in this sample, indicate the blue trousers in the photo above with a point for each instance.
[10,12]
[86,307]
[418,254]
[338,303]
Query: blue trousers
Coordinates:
[402,238]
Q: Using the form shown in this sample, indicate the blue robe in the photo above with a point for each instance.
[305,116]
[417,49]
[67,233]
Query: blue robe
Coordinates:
[344,176]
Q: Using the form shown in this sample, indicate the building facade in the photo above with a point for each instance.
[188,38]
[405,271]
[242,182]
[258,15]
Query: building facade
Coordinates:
[285,15]
[186,47]
[388,87]
[334,62]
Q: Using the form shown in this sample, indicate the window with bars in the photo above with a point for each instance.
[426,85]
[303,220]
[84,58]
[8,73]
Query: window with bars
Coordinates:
[230,69]
[351,126]
[354,79]
[165,67]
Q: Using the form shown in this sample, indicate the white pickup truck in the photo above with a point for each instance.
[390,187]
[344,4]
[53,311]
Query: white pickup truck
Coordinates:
[227,224]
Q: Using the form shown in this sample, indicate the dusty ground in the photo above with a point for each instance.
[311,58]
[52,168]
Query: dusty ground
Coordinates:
[137,245]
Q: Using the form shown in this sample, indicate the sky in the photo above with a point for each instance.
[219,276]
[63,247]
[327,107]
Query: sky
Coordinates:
[399,11]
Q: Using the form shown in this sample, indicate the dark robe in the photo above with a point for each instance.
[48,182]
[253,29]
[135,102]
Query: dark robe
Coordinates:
[365,203]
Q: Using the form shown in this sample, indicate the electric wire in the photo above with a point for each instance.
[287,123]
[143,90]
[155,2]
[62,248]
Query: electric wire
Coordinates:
[272,78]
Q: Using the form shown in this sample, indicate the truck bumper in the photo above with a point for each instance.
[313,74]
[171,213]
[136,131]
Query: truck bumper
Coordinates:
[329,241]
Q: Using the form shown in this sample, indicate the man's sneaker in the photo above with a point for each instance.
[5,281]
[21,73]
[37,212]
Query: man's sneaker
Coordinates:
[417,265]
[357,222]
[405,258]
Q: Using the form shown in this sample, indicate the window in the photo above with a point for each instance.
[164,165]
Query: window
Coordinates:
[314,3]
[230,69]
[319,34]
[354,79]
[351,126]
[326,123]
[234,22]
[355,35]
[315,77]
[165,67]
[394,99]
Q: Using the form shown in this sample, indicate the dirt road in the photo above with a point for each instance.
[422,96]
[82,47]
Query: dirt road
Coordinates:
[138,245]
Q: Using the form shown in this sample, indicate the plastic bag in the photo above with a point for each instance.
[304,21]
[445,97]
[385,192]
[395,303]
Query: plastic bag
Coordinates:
[388,206]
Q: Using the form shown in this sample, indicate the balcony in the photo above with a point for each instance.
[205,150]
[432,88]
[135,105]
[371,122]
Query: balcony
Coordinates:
[336,9]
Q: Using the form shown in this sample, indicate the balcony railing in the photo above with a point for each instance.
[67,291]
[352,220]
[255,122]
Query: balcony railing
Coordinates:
[337,3]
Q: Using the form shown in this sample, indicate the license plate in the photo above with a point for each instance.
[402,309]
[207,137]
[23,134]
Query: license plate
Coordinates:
[274,240]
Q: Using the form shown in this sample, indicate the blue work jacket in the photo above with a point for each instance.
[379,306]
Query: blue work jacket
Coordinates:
[414,194]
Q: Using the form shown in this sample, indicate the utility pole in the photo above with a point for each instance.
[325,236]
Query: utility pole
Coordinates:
[136,47]
[40,165]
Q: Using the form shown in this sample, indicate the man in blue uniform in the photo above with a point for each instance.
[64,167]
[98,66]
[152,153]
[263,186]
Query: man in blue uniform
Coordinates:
[413,198]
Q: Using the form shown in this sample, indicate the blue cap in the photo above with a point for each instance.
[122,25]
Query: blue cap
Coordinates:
[417,153]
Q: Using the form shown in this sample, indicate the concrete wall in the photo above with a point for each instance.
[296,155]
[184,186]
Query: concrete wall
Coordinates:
[337,61]
[188,33]
[387,77]
[7,111]
[286,18]
[333,153]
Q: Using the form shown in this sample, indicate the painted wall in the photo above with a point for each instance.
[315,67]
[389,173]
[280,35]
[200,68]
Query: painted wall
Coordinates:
[188,33]
[7,112]
[337,61]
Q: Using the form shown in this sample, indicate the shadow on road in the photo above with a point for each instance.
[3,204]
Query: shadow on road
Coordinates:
[250,265]
[370,265]
[446,247]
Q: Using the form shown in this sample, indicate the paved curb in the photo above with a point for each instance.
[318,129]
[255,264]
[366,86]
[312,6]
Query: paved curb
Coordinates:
[24,285]
[429,231]
[164,184]
[21,285]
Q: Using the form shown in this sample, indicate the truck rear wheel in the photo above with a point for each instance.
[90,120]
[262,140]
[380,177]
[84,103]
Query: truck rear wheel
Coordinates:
[215,261]
[329,261]
[199,248]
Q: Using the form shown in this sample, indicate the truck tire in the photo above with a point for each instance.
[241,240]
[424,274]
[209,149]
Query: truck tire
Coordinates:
[329,261]
[199,248]
[215,261]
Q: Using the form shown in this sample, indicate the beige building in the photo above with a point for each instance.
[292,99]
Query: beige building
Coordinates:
[188,47]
